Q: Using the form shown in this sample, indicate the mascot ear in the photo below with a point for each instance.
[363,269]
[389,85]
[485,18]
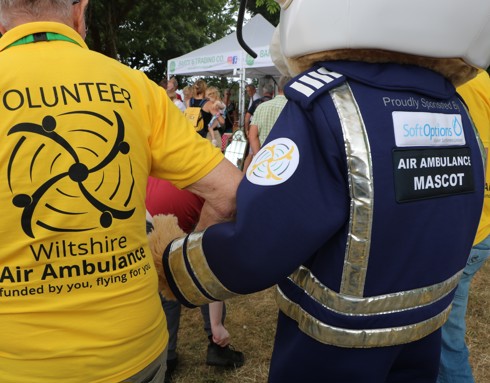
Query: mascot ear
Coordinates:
[165,230]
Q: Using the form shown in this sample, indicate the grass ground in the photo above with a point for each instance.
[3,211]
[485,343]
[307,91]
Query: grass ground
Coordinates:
[251,322]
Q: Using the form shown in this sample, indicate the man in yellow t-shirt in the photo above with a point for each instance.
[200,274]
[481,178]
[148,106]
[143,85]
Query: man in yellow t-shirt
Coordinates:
[80,135]
[455,365]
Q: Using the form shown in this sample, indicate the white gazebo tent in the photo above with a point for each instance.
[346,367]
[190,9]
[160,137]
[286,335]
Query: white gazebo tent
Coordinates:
[225,57]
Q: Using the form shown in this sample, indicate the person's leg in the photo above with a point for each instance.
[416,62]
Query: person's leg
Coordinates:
[455,366]
[172,311]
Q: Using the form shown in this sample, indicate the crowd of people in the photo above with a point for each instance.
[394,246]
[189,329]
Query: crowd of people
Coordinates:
[361,201]
[219,110]
[220,115]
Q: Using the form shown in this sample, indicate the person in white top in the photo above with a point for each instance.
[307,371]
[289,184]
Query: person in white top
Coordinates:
[173,96]
[252,94]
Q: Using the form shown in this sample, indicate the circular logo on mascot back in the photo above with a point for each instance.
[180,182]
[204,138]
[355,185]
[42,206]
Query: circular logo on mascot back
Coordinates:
[275,163]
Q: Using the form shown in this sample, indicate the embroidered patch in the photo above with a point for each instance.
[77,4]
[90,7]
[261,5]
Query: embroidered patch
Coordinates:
[429,173]
[275,163]
[428,129]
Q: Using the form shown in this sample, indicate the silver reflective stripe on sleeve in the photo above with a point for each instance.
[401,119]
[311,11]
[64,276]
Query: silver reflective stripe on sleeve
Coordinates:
[199,270]
[202,271]
[181,276]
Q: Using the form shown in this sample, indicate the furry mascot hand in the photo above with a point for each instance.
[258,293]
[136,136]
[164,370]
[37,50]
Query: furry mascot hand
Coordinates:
[165,230]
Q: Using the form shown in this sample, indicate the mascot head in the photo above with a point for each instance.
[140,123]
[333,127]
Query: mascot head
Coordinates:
[448,36]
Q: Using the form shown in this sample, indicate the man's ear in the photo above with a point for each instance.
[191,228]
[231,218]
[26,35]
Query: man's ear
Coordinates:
[79,23]
[2,29]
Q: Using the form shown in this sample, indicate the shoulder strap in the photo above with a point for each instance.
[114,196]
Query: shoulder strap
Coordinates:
[309,85]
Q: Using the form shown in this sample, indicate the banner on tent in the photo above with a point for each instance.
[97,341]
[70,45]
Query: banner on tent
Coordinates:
[263,58]
[215,62]
[220,62]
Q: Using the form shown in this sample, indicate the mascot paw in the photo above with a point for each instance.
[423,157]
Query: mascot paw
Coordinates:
[165,230]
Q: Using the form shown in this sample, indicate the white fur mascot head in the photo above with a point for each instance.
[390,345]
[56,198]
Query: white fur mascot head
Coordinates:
[448,36]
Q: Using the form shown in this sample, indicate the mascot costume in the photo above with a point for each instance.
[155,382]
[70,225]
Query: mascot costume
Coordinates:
[363,203]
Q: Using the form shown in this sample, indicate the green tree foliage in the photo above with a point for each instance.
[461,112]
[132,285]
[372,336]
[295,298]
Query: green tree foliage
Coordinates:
[145,34]
[267,8]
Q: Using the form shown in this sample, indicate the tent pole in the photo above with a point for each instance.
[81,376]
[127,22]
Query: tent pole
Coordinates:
[241,101]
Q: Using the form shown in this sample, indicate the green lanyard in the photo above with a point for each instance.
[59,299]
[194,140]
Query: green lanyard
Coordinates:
[43,36]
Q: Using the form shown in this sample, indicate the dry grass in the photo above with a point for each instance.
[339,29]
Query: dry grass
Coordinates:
[251,321]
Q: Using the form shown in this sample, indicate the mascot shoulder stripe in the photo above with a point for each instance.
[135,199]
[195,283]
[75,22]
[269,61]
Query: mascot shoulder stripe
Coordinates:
[307,86]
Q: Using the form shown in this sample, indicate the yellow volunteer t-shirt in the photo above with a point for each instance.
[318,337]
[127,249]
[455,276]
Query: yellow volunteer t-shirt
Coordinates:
[476,94]
[80,134]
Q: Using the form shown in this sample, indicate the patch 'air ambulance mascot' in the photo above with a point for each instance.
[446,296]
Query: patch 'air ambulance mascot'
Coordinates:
[363,203]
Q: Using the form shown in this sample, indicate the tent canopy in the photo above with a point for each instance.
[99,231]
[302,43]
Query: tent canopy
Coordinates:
[225,56]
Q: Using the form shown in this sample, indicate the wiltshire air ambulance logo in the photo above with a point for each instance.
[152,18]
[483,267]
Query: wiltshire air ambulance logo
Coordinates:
[70,173]
[275,163]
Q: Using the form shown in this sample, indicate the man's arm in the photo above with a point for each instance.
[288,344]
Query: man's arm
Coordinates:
[253,139]
[218,188]
[248,117]
[221,336]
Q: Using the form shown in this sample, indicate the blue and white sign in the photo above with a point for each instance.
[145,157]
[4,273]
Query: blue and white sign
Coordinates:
[428,129]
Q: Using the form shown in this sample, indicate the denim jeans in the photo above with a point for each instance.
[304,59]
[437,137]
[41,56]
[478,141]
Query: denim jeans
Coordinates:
[172,311]
[455,366]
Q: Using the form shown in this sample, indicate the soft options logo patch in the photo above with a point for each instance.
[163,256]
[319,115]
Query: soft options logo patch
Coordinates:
[275,163]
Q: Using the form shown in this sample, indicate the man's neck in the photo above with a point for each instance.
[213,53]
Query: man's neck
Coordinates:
[24,20]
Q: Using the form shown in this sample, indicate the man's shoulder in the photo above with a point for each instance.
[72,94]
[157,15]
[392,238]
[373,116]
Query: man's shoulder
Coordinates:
[253,107]
[260,101]
[257,102]
[278,100]
[260,108]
